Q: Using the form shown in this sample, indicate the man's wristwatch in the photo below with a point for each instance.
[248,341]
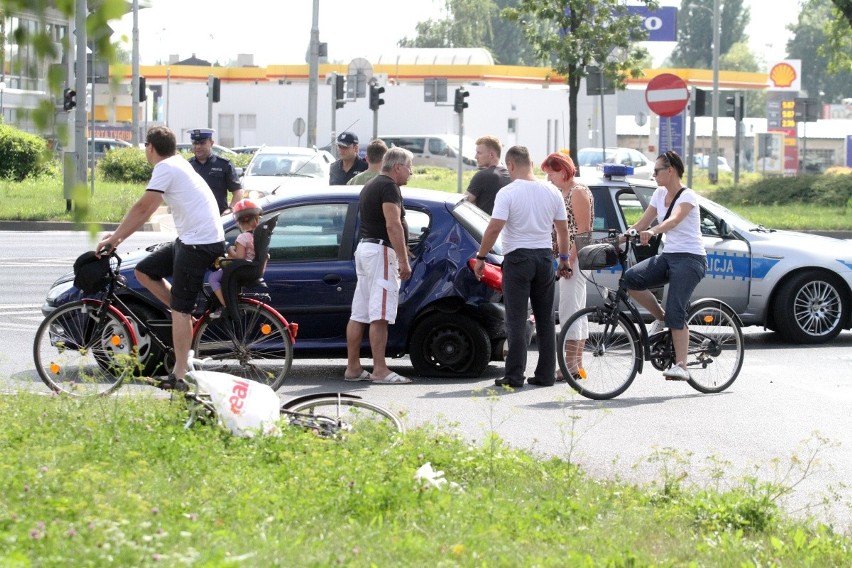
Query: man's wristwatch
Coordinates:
[565,257]
[480,257]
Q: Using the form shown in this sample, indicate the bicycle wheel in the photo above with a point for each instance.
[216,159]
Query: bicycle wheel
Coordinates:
[256,346]
[336,416]
[81,350]
[716,347]
[610,352]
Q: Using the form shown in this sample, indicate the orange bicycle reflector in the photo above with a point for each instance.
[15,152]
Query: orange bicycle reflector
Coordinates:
[708,318]
[54,368]
[266,329]
[582,372]
[115,340]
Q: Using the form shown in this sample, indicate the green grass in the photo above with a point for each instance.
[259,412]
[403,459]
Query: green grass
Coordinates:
[43,200]
[119,481]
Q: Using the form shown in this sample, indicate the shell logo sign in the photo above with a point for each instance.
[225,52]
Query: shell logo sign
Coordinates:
[786,75]
[782,75]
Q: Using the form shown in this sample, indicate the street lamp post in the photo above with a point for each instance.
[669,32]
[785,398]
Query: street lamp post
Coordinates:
[713,166]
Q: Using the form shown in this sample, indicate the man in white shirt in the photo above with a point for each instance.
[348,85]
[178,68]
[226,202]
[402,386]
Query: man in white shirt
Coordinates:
[200,239]
[525,211]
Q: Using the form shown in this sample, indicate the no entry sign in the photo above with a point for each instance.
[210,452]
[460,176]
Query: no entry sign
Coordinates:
[667,94]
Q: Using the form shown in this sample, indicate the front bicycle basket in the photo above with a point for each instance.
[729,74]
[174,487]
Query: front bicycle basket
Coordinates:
[597,256]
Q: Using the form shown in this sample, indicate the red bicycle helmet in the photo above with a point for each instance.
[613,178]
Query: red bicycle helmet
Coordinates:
[246,208]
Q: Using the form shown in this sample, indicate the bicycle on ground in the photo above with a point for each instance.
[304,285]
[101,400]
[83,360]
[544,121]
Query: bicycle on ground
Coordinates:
[616,345]
[90,347]
[328,415]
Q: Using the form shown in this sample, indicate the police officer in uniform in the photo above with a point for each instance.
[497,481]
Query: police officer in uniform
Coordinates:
[349,164]
[218,172]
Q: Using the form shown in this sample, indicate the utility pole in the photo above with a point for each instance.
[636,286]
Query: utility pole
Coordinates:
[313,77]
[80,146]
[134,81]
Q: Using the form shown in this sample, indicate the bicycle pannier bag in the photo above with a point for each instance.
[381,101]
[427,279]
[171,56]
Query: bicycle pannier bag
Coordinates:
[91,274]
[596,257]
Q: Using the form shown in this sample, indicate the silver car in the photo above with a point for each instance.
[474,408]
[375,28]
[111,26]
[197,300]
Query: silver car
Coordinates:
[796,284]
[274,168]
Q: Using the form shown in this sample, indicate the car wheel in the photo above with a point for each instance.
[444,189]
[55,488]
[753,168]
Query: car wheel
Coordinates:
[811,308]
[150,355]
[449,345]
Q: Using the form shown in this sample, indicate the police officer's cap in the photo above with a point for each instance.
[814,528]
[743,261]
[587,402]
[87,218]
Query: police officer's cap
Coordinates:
[347,139]
[200,134]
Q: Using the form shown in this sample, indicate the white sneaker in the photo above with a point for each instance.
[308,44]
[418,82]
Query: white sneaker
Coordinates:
[677,373]
[656,327]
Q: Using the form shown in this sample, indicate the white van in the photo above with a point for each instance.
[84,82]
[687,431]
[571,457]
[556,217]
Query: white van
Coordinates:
[439,150]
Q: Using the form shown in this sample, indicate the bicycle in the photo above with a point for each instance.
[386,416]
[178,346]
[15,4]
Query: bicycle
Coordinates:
[328,415]
[617,343]
[89,347]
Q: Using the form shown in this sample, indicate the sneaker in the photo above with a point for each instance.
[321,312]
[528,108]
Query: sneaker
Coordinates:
[216,314]
[656,327]
[677,373]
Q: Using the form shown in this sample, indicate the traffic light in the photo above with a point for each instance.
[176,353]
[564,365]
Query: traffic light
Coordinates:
[700,102]
[731,106]
[735,106]
[69,99]
[143,93]
[215,89]
[375,97]
[460,104]
[339,91]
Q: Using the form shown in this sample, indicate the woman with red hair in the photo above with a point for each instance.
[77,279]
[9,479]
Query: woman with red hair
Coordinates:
[579,205]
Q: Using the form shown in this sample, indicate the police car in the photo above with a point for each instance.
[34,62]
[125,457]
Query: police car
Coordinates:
[796,284]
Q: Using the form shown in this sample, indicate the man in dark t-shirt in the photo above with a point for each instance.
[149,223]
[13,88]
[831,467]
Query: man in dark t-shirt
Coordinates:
[381,261]
[350,163]
[491,176]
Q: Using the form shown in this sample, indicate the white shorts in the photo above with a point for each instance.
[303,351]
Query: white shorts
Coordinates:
[572,298]
[377,292]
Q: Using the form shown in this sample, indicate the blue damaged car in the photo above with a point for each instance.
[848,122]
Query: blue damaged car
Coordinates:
[449,323]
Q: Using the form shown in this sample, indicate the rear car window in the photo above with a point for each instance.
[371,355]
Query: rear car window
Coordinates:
[474,220]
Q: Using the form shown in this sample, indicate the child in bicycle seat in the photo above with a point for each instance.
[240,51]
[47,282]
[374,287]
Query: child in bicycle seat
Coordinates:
[247,213]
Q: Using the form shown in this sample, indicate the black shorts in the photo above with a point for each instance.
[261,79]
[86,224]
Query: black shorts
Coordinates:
[187,265]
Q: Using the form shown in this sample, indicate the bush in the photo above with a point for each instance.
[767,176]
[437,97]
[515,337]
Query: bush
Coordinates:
[829,189]
[125,165]
[22,154]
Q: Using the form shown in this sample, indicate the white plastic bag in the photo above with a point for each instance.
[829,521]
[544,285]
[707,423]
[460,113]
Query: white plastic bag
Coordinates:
[244,407]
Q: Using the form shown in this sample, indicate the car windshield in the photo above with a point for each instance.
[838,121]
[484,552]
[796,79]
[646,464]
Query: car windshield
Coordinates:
[286,165]
[592,156]
[475,220]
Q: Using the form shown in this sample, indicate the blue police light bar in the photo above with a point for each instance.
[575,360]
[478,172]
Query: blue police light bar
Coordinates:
[617,170]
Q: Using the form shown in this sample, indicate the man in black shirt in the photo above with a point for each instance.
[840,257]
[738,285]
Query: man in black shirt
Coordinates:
[381,261]
[350,163]
[218,172]
[491,176]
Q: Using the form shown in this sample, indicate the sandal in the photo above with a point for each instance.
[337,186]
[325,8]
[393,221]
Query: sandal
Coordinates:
[392,379]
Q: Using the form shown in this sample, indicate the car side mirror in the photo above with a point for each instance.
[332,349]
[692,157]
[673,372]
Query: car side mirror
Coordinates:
[239,172]
[724,230]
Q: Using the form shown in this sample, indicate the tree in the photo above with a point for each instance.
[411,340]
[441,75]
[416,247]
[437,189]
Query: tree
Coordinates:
[695,32]
[838,32]
[476,23]
[101,12]
[572,35]
[467,24]
[810,38]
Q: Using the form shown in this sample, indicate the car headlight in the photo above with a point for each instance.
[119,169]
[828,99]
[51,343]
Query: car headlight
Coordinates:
[59,289]
[255,194]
